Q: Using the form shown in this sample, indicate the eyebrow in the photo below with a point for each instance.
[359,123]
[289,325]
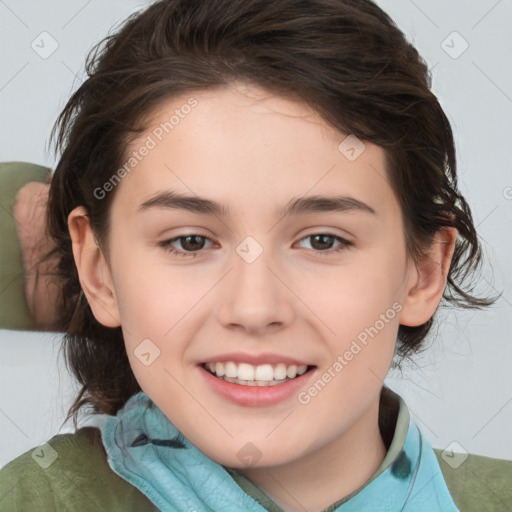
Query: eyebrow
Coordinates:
[170,199]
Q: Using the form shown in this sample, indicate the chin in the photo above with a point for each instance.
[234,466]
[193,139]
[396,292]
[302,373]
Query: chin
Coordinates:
[250,455]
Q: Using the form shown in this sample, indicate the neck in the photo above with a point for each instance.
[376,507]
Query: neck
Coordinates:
[317,480]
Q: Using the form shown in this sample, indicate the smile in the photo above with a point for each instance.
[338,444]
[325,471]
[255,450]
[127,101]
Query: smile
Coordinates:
[247,374]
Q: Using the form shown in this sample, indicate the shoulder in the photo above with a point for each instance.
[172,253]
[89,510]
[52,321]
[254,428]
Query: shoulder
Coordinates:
[477,483]
[70,472]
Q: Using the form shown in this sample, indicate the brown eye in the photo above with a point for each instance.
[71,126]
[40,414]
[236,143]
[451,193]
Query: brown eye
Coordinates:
[322,243]
[191,244]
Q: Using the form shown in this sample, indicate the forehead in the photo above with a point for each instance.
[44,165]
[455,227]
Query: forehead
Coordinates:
[251,151]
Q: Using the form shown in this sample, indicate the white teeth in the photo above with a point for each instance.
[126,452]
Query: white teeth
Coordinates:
[231,370]
[280,371]
[219,369]
[263,372]
[246,371]
[254,382]
[291,371]
[261,375]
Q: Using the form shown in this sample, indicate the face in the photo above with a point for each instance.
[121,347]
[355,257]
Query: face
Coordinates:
[249,289]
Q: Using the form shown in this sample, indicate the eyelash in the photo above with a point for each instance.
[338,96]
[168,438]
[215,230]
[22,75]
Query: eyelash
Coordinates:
[166,245]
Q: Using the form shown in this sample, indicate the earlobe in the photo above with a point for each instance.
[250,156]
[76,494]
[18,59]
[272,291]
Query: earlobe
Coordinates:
[93,270]
[428,280]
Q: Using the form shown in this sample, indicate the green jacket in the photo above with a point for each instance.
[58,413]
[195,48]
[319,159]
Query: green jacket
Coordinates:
[80,480]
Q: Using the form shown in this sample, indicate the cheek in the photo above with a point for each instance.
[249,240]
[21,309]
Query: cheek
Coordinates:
[351,297]
[152,297]
[159,305]
[359,307]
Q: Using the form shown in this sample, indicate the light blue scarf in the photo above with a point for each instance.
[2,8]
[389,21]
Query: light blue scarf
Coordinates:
[146,449]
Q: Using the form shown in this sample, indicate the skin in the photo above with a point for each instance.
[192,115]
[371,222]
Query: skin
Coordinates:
[40,287]
[254,151]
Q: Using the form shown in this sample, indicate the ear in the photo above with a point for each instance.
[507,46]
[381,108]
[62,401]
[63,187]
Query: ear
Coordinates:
[427,280]
[93,270]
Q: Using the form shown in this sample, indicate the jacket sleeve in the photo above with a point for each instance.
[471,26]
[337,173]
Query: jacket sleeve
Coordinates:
[479,484]
[69,473]
[25,487]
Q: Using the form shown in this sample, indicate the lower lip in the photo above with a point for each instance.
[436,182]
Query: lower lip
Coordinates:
[256,396]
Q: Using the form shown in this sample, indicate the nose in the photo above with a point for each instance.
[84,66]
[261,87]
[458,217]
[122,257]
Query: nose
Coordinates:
[255,296]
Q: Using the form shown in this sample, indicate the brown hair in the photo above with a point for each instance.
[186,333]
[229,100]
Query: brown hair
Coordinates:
[345,58]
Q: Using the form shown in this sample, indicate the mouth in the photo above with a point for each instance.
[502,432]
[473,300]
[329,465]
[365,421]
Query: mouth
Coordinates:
[263,375]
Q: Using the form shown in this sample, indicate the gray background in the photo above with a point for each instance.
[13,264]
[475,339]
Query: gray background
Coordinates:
[460,390]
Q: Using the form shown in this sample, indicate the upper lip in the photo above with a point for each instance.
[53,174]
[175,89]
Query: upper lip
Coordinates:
[255,359]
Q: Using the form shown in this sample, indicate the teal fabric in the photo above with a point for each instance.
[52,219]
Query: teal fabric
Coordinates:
[147,450]
[395,447]
[14,312]
[80,479]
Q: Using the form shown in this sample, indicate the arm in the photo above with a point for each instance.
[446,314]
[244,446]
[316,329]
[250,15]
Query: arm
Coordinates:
[27,299]
[40,288]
